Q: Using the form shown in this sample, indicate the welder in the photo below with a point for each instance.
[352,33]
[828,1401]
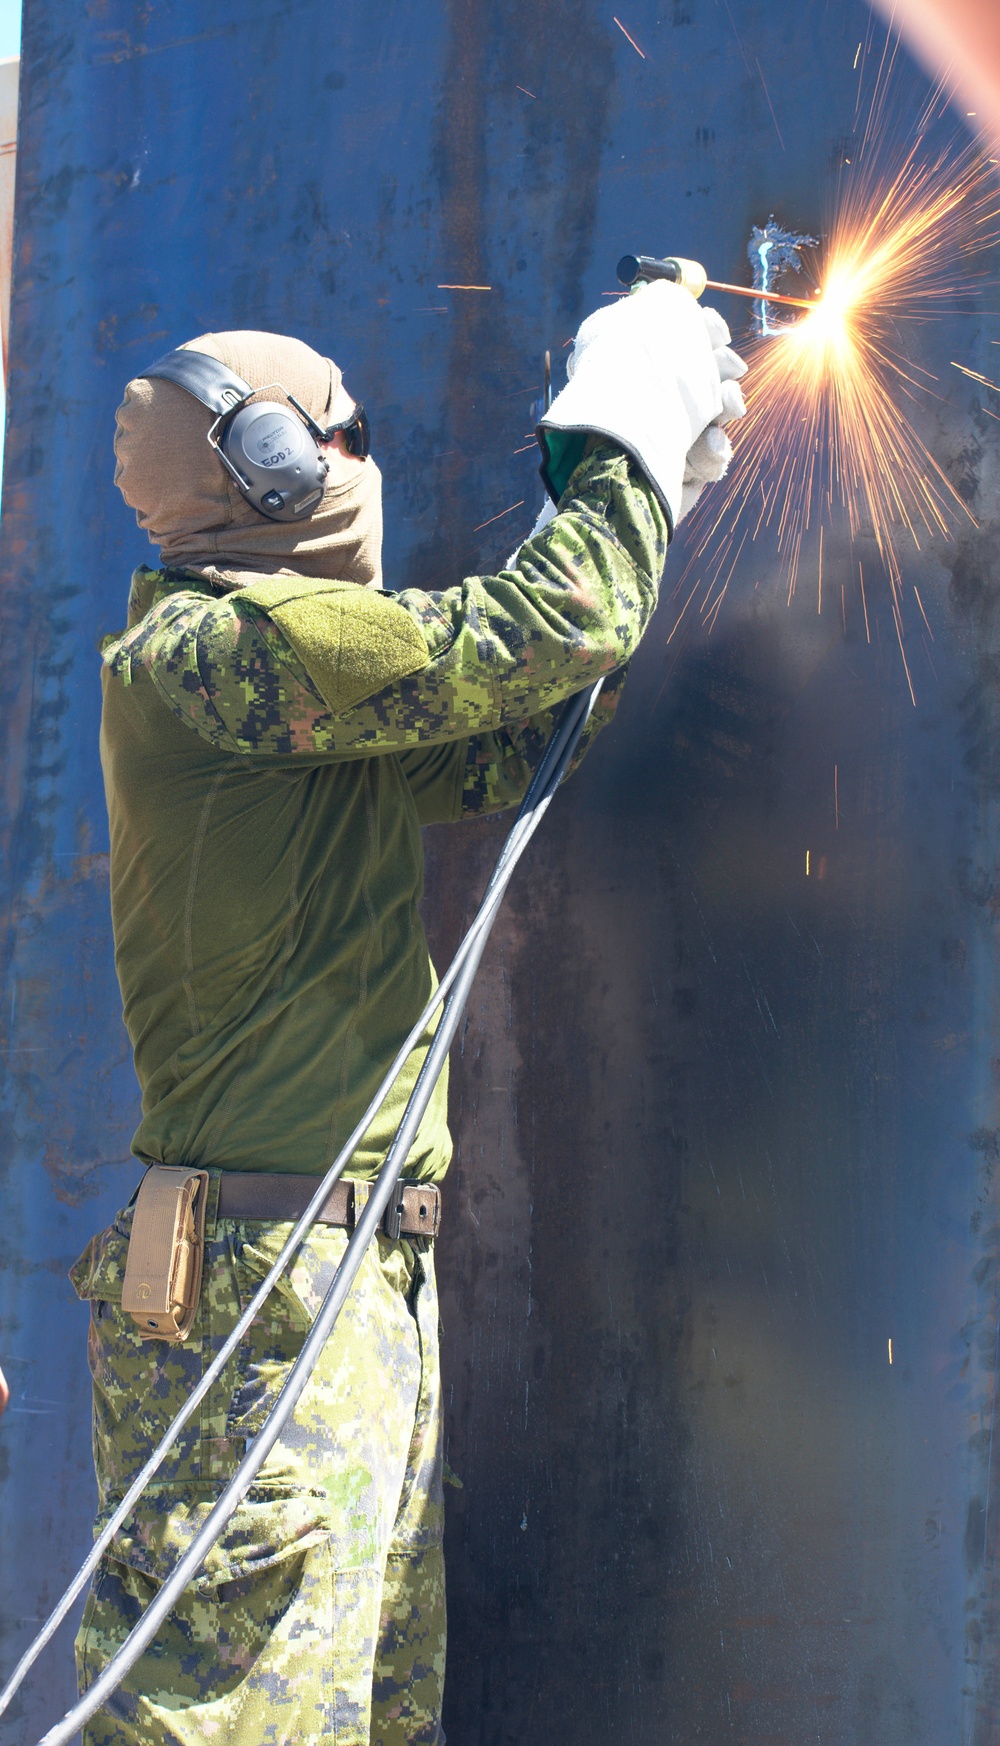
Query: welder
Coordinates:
[277,726]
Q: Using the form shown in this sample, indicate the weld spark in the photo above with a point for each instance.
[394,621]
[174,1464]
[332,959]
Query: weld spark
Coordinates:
[825,435]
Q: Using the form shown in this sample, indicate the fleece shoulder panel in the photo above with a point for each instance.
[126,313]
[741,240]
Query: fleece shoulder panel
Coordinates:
[352,641]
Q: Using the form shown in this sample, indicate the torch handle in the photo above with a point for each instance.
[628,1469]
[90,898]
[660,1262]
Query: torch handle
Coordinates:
[640,269]
[635,268]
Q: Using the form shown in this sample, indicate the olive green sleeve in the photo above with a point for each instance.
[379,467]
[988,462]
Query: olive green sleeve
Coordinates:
[301,668]
[490,772]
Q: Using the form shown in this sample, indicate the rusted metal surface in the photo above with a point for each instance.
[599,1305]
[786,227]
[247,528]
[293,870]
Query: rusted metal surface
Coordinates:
[724,1131]
[8,158]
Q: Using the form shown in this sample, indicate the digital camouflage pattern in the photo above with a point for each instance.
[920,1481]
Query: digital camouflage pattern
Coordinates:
[496,649]
[320,1613]
[266,859]
[270,755]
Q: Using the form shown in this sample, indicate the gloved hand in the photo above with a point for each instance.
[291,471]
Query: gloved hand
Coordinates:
[711,453]
[644,373]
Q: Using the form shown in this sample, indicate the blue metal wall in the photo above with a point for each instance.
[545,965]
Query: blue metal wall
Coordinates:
[722,1131]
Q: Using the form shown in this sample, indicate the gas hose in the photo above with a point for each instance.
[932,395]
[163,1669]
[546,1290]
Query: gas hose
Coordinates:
[453,991]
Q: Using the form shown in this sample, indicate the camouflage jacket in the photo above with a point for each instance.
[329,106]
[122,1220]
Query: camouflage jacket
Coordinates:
[269,757]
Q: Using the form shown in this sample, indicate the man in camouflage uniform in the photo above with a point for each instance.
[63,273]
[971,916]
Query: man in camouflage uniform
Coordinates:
[276,730]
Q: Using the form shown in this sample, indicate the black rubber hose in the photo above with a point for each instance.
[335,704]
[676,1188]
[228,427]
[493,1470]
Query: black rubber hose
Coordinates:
[546,780]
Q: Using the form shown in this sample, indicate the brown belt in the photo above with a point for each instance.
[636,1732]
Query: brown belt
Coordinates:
[414,1208]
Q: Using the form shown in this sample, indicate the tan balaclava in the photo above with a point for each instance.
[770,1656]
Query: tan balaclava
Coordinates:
[191,508]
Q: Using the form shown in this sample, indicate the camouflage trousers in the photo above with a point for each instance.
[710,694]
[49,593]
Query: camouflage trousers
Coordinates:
[320,1613]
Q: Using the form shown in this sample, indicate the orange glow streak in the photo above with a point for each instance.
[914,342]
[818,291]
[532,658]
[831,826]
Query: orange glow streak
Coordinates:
[465,287]
[631,39]
[976,377]
[864,602]
[923,614]
[502,512]
[819,598]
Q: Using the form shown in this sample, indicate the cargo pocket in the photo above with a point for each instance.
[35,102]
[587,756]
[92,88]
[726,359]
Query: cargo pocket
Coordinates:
[98,1274]
[130,1408]
[261,1534]
[345,1444]
[278,1332]
[140,1385]
[278,1657]
[212,1644]
[276,1336]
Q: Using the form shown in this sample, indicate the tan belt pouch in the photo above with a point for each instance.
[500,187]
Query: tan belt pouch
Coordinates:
[163,1271]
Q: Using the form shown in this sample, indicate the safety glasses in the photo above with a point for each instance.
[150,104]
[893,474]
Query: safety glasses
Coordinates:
[357,432]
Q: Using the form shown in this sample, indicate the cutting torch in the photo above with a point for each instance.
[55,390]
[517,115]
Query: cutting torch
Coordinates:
[641,269]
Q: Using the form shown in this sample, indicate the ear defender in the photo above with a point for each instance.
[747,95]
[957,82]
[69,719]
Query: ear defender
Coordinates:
[274,459]
[273,456]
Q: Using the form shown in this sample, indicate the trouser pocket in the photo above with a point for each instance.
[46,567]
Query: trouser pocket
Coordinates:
[286,1654]
[140,1385]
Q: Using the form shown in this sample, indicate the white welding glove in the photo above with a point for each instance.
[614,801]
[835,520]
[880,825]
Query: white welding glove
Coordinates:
[710,454]
[644,373]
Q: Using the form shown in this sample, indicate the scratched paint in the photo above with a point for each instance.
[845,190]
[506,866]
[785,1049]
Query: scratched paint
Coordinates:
[720,1127]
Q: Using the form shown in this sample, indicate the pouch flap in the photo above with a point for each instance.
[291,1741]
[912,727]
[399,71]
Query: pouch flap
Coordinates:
[100,1271]
[264,1531]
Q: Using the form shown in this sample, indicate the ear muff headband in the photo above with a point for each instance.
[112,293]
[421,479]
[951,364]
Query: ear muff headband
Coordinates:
[273,457]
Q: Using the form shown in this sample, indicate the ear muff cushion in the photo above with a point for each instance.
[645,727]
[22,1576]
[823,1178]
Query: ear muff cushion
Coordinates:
[352,642]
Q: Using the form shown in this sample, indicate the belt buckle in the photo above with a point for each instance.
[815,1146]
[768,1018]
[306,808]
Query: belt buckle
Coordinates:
[392,1218]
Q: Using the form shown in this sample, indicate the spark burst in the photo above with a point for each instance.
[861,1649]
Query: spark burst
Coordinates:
[826,434]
